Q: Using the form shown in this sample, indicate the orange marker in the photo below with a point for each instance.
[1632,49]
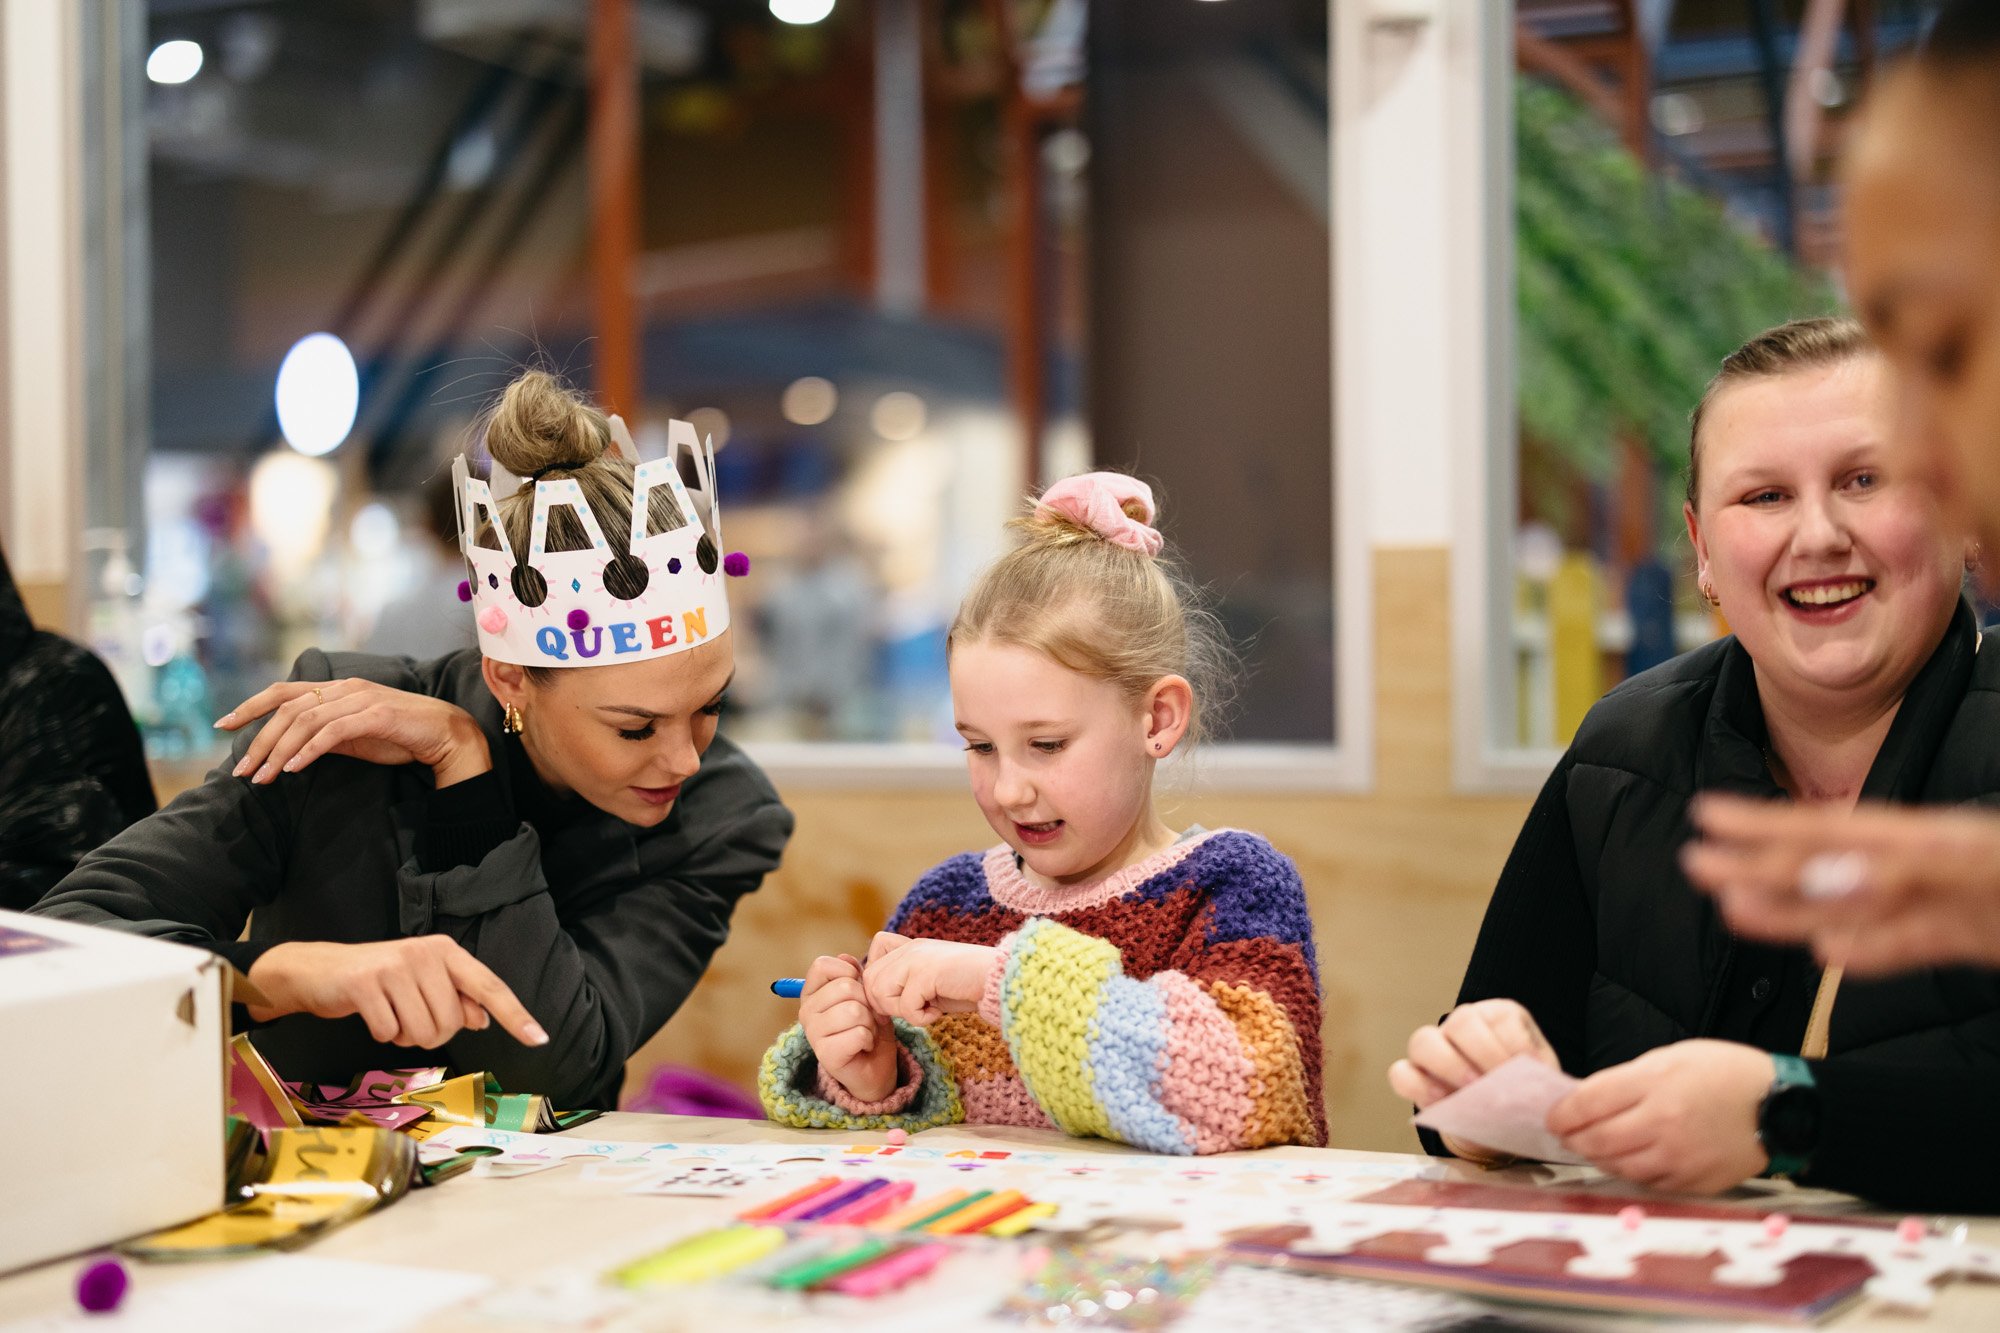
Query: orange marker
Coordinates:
[804,1192]
[979,1216]
[919,1212]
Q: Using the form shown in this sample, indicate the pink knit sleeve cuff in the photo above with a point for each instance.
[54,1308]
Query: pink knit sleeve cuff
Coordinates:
[909,1078]
[989,999]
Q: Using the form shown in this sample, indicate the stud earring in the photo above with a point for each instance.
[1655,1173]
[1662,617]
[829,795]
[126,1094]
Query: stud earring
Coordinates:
[511,721]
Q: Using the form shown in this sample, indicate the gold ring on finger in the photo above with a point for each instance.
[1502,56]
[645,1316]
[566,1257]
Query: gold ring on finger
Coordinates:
[319,694]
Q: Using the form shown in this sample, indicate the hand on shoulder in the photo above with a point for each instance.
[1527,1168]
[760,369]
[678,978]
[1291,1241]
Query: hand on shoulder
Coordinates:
[361,719]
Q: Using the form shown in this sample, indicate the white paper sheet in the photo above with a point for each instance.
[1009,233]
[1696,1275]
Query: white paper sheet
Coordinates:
[1507,1110]
[253,1295]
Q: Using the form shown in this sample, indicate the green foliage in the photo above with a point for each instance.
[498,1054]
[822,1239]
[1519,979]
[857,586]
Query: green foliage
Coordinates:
[1633,286]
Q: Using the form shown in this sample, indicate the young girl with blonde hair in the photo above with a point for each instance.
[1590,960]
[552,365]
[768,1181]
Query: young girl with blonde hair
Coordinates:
[1098,971]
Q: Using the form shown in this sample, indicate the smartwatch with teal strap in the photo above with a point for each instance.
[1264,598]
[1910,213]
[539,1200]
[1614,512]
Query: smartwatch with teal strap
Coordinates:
[1788,1119]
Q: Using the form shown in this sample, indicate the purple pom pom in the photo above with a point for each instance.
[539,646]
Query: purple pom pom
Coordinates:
[579,619]
[101,1286]
[736,564]
[464,591]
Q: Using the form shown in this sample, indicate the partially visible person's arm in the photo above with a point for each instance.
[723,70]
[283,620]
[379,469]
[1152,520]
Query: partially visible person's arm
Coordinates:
[72,773]
[1897,888]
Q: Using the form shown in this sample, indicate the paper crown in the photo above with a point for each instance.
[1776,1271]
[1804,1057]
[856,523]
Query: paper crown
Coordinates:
[553,608]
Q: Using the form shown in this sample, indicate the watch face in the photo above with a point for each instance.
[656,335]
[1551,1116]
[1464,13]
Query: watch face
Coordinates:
[1789,1123]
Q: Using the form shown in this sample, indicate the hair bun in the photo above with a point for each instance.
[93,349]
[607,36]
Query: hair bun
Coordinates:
[539,426]
[1116,507]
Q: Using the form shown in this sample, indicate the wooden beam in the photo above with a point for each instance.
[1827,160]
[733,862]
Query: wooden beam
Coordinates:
[614,202]
[1539,55]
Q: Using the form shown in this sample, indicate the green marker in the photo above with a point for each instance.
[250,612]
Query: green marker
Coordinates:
[948,1210]
[815,1271]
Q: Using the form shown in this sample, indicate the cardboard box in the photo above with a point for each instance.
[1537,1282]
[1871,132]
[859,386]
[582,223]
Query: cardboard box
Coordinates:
[111,1057]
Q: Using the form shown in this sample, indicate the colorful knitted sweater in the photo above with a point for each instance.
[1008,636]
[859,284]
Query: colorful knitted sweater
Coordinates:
[1173,1005]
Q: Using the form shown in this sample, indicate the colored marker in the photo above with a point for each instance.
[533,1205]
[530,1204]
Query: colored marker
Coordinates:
[861,1211]
[702,1257]
[923,1223]
[861,1195]
[1013,1224]
[788,988]
[796,1211]
[817,1209]
[925,1210]
[891,1272]
[764,1210]
[815,1271]
[979,1216]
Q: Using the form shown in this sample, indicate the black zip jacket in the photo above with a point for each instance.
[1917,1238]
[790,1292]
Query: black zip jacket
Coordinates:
[1594,929]
[600,927]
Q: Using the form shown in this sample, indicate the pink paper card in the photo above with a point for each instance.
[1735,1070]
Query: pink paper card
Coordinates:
[1507,1110]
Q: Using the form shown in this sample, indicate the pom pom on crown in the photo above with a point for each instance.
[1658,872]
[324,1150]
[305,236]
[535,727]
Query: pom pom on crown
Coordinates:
[570,608]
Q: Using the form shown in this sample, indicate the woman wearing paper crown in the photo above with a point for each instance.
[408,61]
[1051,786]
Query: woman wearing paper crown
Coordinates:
[518,859]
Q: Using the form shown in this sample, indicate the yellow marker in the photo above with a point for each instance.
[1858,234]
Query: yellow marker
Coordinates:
[977,1216]
[918,1211]
[702,1257]
[1015,1223]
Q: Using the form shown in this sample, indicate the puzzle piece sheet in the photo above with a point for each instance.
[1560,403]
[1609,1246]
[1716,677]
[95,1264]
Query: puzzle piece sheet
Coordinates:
[1608,1253]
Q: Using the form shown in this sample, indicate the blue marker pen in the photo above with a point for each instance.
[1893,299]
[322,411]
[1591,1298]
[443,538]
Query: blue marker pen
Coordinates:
[788,988]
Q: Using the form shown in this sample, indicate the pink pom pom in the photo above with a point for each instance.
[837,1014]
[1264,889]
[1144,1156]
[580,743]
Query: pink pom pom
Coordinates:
[493,620]
[1632,1217]
[1910,1230]
[464,591]
[102,1285]
[1776,1225]
[579,619]
[736,564]
[899,1137]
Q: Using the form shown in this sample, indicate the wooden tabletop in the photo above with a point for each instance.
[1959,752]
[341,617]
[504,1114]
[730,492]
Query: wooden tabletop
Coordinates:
[512,1229]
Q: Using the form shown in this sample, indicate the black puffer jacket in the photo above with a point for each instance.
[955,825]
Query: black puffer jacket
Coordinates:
[599,926]
[1594,929]
[72,772]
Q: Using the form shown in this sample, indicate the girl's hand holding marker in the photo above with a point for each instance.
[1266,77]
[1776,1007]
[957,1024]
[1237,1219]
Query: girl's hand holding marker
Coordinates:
[846,1008]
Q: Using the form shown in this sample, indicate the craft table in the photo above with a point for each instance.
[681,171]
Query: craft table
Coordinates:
[509,1229]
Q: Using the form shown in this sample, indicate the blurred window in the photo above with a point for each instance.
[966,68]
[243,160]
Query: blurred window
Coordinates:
[1674,196]
[891,291]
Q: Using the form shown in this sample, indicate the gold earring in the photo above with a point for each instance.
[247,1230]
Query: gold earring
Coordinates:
[1708,593]
[511,721]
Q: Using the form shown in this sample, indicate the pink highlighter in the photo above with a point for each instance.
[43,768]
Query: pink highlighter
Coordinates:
[891,1272]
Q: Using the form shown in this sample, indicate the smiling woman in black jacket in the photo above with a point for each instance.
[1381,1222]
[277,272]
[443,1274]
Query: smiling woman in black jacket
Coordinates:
[1854,672]
[502,860]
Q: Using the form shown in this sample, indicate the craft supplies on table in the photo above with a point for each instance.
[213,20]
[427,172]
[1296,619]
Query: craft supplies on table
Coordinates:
[89,1019]
[1587,1250]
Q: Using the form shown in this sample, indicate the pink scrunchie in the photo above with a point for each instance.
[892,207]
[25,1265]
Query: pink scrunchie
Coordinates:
[1095,500]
